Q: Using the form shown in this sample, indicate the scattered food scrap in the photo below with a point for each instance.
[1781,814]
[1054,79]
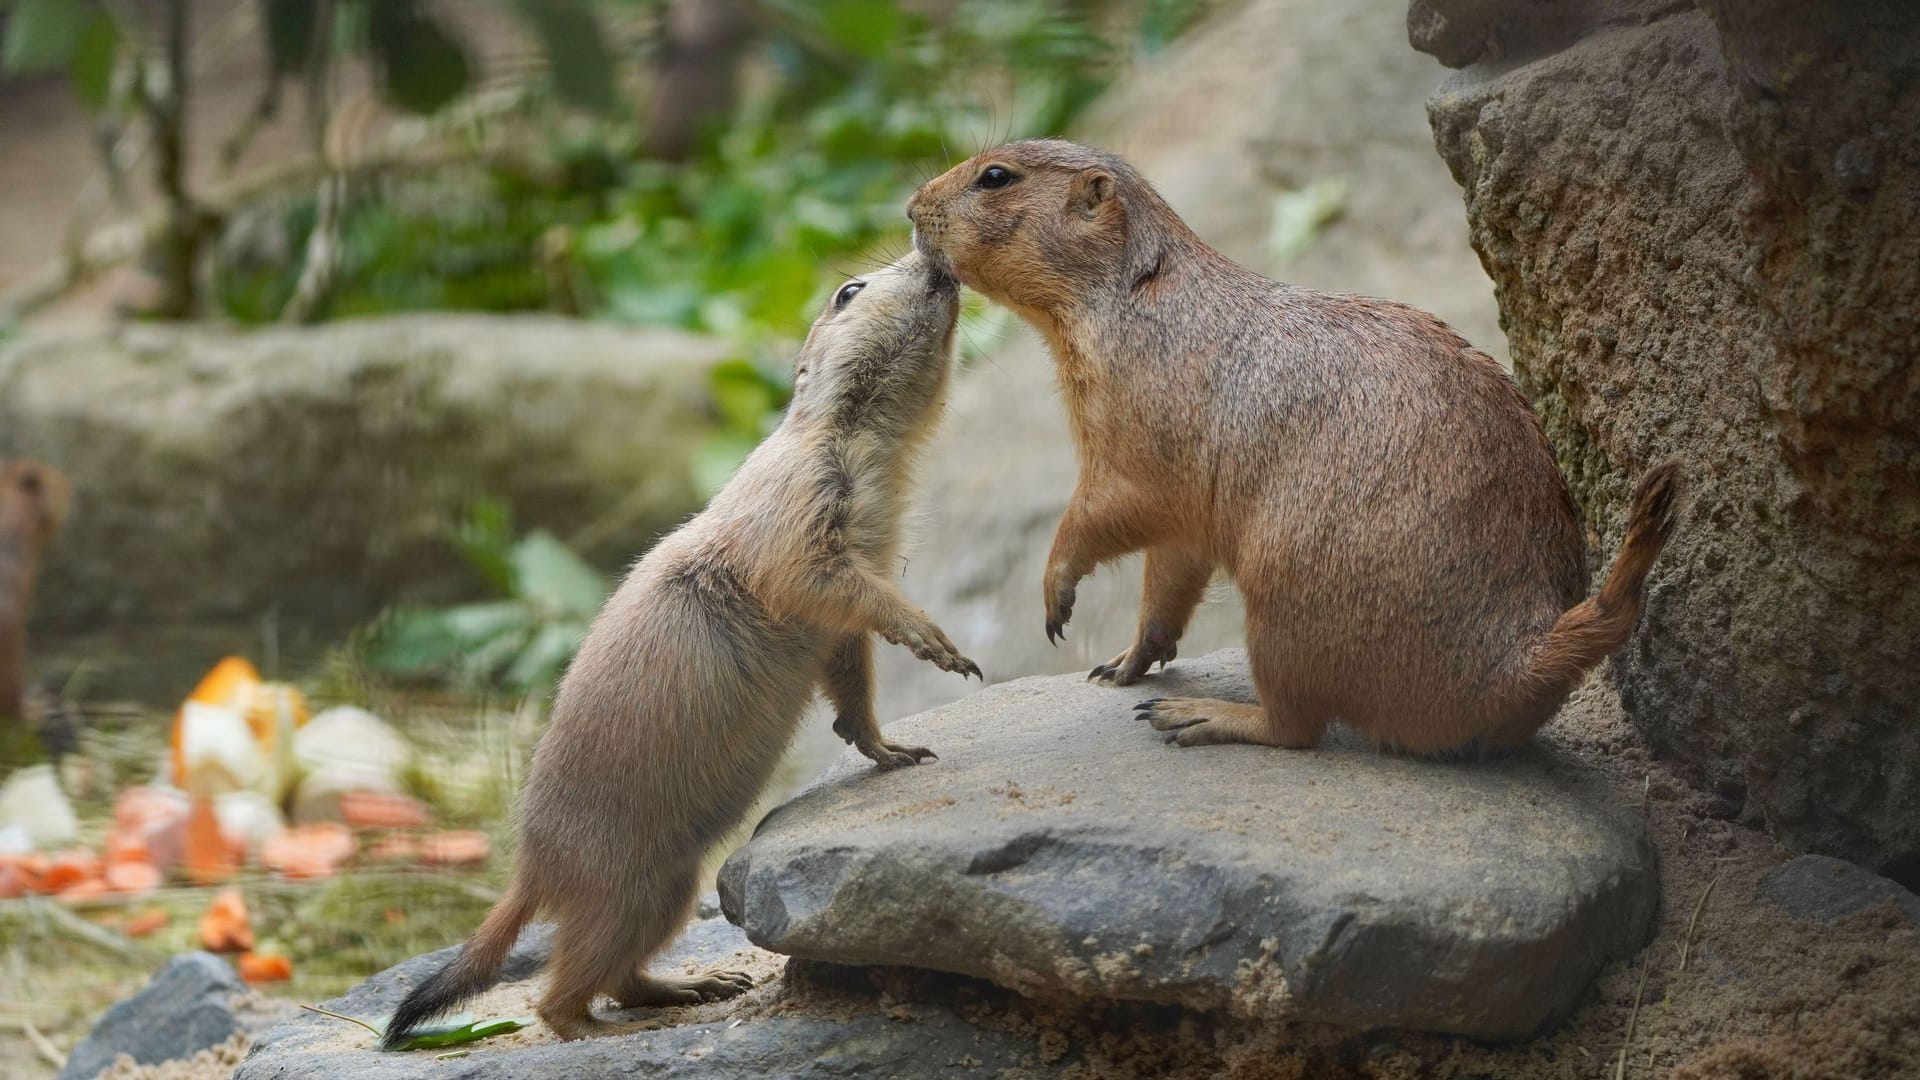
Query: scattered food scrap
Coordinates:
[227,927]
[147,922]
[454,848]
[383,810]
[309,851]
[264,967]
[235,733]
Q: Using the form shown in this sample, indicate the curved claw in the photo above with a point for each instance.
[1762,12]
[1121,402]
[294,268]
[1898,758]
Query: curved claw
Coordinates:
[1149,703]
[887,756]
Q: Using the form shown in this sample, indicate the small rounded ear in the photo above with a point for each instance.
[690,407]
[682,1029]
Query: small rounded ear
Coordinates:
[1091,190]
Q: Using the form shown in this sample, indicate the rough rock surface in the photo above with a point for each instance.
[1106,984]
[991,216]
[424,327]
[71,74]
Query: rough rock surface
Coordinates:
[1703,225]
[1824,888]
[1295,92]
[1060,848]
[188,1007]
[317,471]
[790,1043]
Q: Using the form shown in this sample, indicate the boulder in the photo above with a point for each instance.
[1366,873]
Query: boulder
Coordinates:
[317,471]
[1061,848]
[189,1006]
[1703,225]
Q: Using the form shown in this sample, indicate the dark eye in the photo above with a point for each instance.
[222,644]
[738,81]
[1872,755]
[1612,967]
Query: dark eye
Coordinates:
[994,177]
[30,483]
[846,294]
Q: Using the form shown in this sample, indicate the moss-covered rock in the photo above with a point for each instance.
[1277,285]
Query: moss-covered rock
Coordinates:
[223,473]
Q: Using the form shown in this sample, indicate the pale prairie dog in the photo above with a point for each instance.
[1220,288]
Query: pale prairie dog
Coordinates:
[692,680]
[1381,492]
[34,500]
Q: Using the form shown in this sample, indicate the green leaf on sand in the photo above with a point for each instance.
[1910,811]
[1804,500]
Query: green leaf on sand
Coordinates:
[449,1032]
[462,1029]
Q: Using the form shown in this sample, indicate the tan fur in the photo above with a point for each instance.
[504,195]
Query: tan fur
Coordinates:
[34,500]
[1379,490]
[692,681]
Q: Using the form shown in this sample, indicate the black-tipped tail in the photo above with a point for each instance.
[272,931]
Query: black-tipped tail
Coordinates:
[466,974]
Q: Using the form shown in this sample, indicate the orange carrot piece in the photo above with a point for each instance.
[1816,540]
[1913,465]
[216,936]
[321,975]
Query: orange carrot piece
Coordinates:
[68,869]
[226,926]
[209,857]
[309,851]
[86,889]
[146,923]
[21,874]
[265,967]
[133,876]
[383,810]
[454,848]
[397,847]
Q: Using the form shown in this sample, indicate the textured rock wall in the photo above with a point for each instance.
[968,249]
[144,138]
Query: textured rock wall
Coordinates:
[1703,227]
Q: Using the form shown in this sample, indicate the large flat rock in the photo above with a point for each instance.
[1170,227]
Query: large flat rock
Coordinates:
[766,1034]
[1061,848]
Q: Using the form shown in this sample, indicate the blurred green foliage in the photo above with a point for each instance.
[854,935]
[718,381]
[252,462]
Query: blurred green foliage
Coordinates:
[801,184]
[546,597]
[871,98]
[50,35]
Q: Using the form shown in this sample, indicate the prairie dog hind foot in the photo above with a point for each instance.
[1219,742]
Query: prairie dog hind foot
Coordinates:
[643,990]
[1211,722]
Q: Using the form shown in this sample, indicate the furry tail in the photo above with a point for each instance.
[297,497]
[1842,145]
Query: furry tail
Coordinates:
[466,974]
[1595,627]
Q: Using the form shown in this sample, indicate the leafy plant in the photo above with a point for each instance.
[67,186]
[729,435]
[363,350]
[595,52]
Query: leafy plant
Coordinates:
[748,400]
[126,60]
[804,185]
[547,597]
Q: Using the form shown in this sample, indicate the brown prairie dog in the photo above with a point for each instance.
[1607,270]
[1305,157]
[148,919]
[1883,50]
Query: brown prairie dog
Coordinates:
[1380,491]
[692,680]
[34,500]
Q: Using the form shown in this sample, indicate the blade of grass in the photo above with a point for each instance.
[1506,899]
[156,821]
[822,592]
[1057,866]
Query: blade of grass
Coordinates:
[338,1016]
[1686,945]
[1633,1018]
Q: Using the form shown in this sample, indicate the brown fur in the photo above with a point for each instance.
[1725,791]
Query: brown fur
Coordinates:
[690,684]
[34,500]
[1379,490]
